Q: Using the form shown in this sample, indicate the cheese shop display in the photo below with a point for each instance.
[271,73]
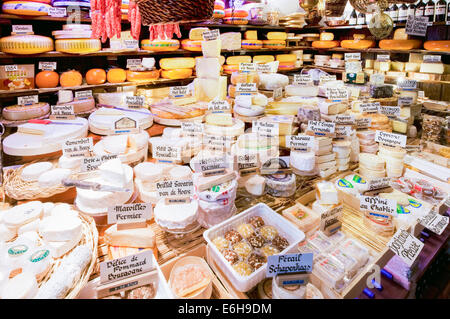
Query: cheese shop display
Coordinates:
[249,153]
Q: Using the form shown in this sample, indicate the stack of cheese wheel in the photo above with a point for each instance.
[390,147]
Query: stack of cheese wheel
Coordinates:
[76,38]
[371,166]
[250,107]
[342,149]
[27,8]
[103,119]
[176,68]
[236,16]
[219,9]
[193,140]
[358,42]
[263,58]
[251,41]
[146,72]
[160,45]
[26,44]
[287,61]
[443,45]
[326,41]
[25,112]
[303,163]
[380,122]
[325,157]
[215,203]
[367,141]
[232,63]
[146,176]
[194,43]
[275,40]
[237,77]
[394,157]
[280,185]
[401,41]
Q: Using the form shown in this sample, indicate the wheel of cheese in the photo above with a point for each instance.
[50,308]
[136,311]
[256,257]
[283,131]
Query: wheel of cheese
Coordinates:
[263,58]
[251,44]
[218,14]
[176,74]
[78,45]
[286,58]
[26,44]
[232,91]
[357,44]
[286,66]
[47,79]
[160,45]
[325,44]
[230,68]
[218,4]
[191,45]
[136,76]
[26,8]
[274,44]
[70,78]
[235,20]
[437,45]
[244,78]
[177,63]
[236,13]
[21,112]
[400,44]
[116,75]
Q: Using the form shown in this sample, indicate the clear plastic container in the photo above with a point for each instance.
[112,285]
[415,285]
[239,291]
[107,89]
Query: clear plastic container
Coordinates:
[284,227]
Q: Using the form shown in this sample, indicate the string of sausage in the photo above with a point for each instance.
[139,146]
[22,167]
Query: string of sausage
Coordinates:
[106,19]
[164,31]
[135,19]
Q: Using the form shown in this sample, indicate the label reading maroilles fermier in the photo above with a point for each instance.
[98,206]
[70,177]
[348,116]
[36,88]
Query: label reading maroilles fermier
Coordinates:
[390,139]
[47,66]
[434,222]
[221,106]
[377,206]
[321,128]
[166,153]
[289,263]
[406,246]
[299,142]
[130,213]
[126,267]
[174,189]
[62,112]
[92,163]
[77,147]
[266,129]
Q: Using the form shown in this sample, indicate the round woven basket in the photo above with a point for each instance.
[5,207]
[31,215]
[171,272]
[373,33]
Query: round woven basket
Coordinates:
[18,189]
[335,8]
[362,5]
[157,11]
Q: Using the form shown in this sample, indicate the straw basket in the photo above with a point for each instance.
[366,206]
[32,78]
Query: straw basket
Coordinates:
[157,11]
[362,5]
[335,8]
[18,189]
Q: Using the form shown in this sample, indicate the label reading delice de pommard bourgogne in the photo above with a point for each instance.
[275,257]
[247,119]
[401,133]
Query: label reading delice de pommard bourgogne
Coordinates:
[377,206]
[126,267]
[130,213]
[406,246]
[391,139]
[77,147]
[169,189]
[92,163]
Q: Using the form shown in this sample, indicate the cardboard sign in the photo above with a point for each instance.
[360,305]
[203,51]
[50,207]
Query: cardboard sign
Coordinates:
[363,123]
[353,56]
[47,66]
[370,107]
[135,102]
[62,112]
[390,111]
[28,100]
[303,79]
[330,220]
[337,94]
[299,142]
[219,106]
[92,163]
[57,12]
[211,35]
[344,119]
[179,91]
[266,129]
[175,191]
[77,147]
[81,95]
[321,128]
[435,222]
[390,139]
[246,88]
[126,267]
[22,29]
[406,246]
[378,183]
[247,67]
[166,153]
[416,25]
[378,207]
[288,264]
[212,166]
[407,84]
[129,213]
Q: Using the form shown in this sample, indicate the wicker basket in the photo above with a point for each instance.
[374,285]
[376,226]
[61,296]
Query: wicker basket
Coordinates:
[361,5]
[158,11]
[18,189]
[335,8]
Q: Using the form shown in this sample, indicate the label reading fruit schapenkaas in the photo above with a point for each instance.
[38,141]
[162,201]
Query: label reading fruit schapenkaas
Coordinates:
[62,112]
[135,102]
[344,119]
[219,106]
[92,163]
[126,267]
[129,213]
[364,122]
[57,12]
[383,57]
[299,142]
[390,111]
[246,87]
[289,263]
[266,129]
[407,84]
[179,91]
[391,139]
[175,189]
[378,207]
[377,78]
[337,94]
[269,67]
[434,222]
[134,64]
[22,29]
[303,79]
[330,218]
[378,183]
[405,100]
[166,153]
[28,100]
[321,128]
[47,66]
[77,147]
[352,56]
[327,78]
[211,35]
[416,25]
[370,107]
[247,67]
[81,95]
[406,246]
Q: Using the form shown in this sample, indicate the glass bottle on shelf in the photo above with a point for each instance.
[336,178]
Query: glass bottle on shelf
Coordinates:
[448,11]
[420,9]
[353,18]
[361,18]
[402,13]
[429,11]
[394,13]
[411,10]
[440,9]
[387,11]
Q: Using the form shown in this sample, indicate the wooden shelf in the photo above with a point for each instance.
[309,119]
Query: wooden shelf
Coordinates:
[235,26]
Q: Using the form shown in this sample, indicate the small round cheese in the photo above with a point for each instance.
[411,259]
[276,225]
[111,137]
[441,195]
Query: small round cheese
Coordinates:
[148,172]
[23,214]
[32,172]
[69,162]
[177,216]
[371,161]
[22,286]
[53,177]
[303,161]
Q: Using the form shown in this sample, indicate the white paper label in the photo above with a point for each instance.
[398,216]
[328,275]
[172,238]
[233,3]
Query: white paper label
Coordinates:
[57,12]
[337,94]
[135,101]
[330,217]
[169,189]
[247,67]
[217,142]
[126,267]
[247,161]
[83,94]
[246,88]
[327,78]
[407,84]
[270,67]
[28,100]
[405,100]
[166,153]
[377,206]
[434,222]
[343,131]
[363,123]
[416,26]
[421,94]
[321,128]
[22,29]
[62,111]
[369,107]
[299,142]
[129,213]
[131,44]
[266,129]
[134,63]
[191,128]
[353,56]
[11,68]
[344,119]
[431,58]
[377,78]
[211,164]
[406,246]
[92,163]
[47,66]
[391,139]
[390,111]
[278,94]
[77,147]
[179,91]
[383,57]
[303,79]
[219,106]
[211,35]
[291,263]
[378,183]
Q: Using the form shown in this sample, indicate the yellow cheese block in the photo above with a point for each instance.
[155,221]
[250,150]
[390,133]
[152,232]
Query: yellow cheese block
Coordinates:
[274,44]
[436,68]
[263,58]
[239,59]
[78,45]
[207,90]
[398,66]
[277,36]
[177,63]
[26,44]
[221,119]
[286,58]
[251,35]
[400,34]
[382,66]
[196,34]
[326,36]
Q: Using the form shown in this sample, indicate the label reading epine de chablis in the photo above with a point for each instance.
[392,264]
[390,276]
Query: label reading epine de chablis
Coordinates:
[22,29]
[129,213]
[62,112]
[77,147]
[179,91]
[390,139]
[175,192]
[321,128]
[289,263]
[330,220]
[213,166]
[47,66]
[363,123]
[370,107]
[390,111]
[126,267]
[81,95]
[135,102]
[211,35]
[337,94]
[378,207]
[221,106]
[435,222]
[57,12]
[166,153]
[303,79]
[92,163]
[299,142]
[344,119]
[266,129]
[406,246]
[28,100]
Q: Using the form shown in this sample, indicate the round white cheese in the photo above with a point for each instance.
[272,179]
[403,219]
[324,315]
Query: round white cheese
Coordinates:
[23,214]
[53,177]
[148,172]
[22,286]
[60,228]
[303,161]
[176,216]
[32,172]
[69,162]
[180,173]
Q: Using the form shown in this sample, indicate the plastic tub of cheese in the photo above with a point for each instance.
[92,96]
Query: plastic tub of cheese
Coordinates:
[246,239]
